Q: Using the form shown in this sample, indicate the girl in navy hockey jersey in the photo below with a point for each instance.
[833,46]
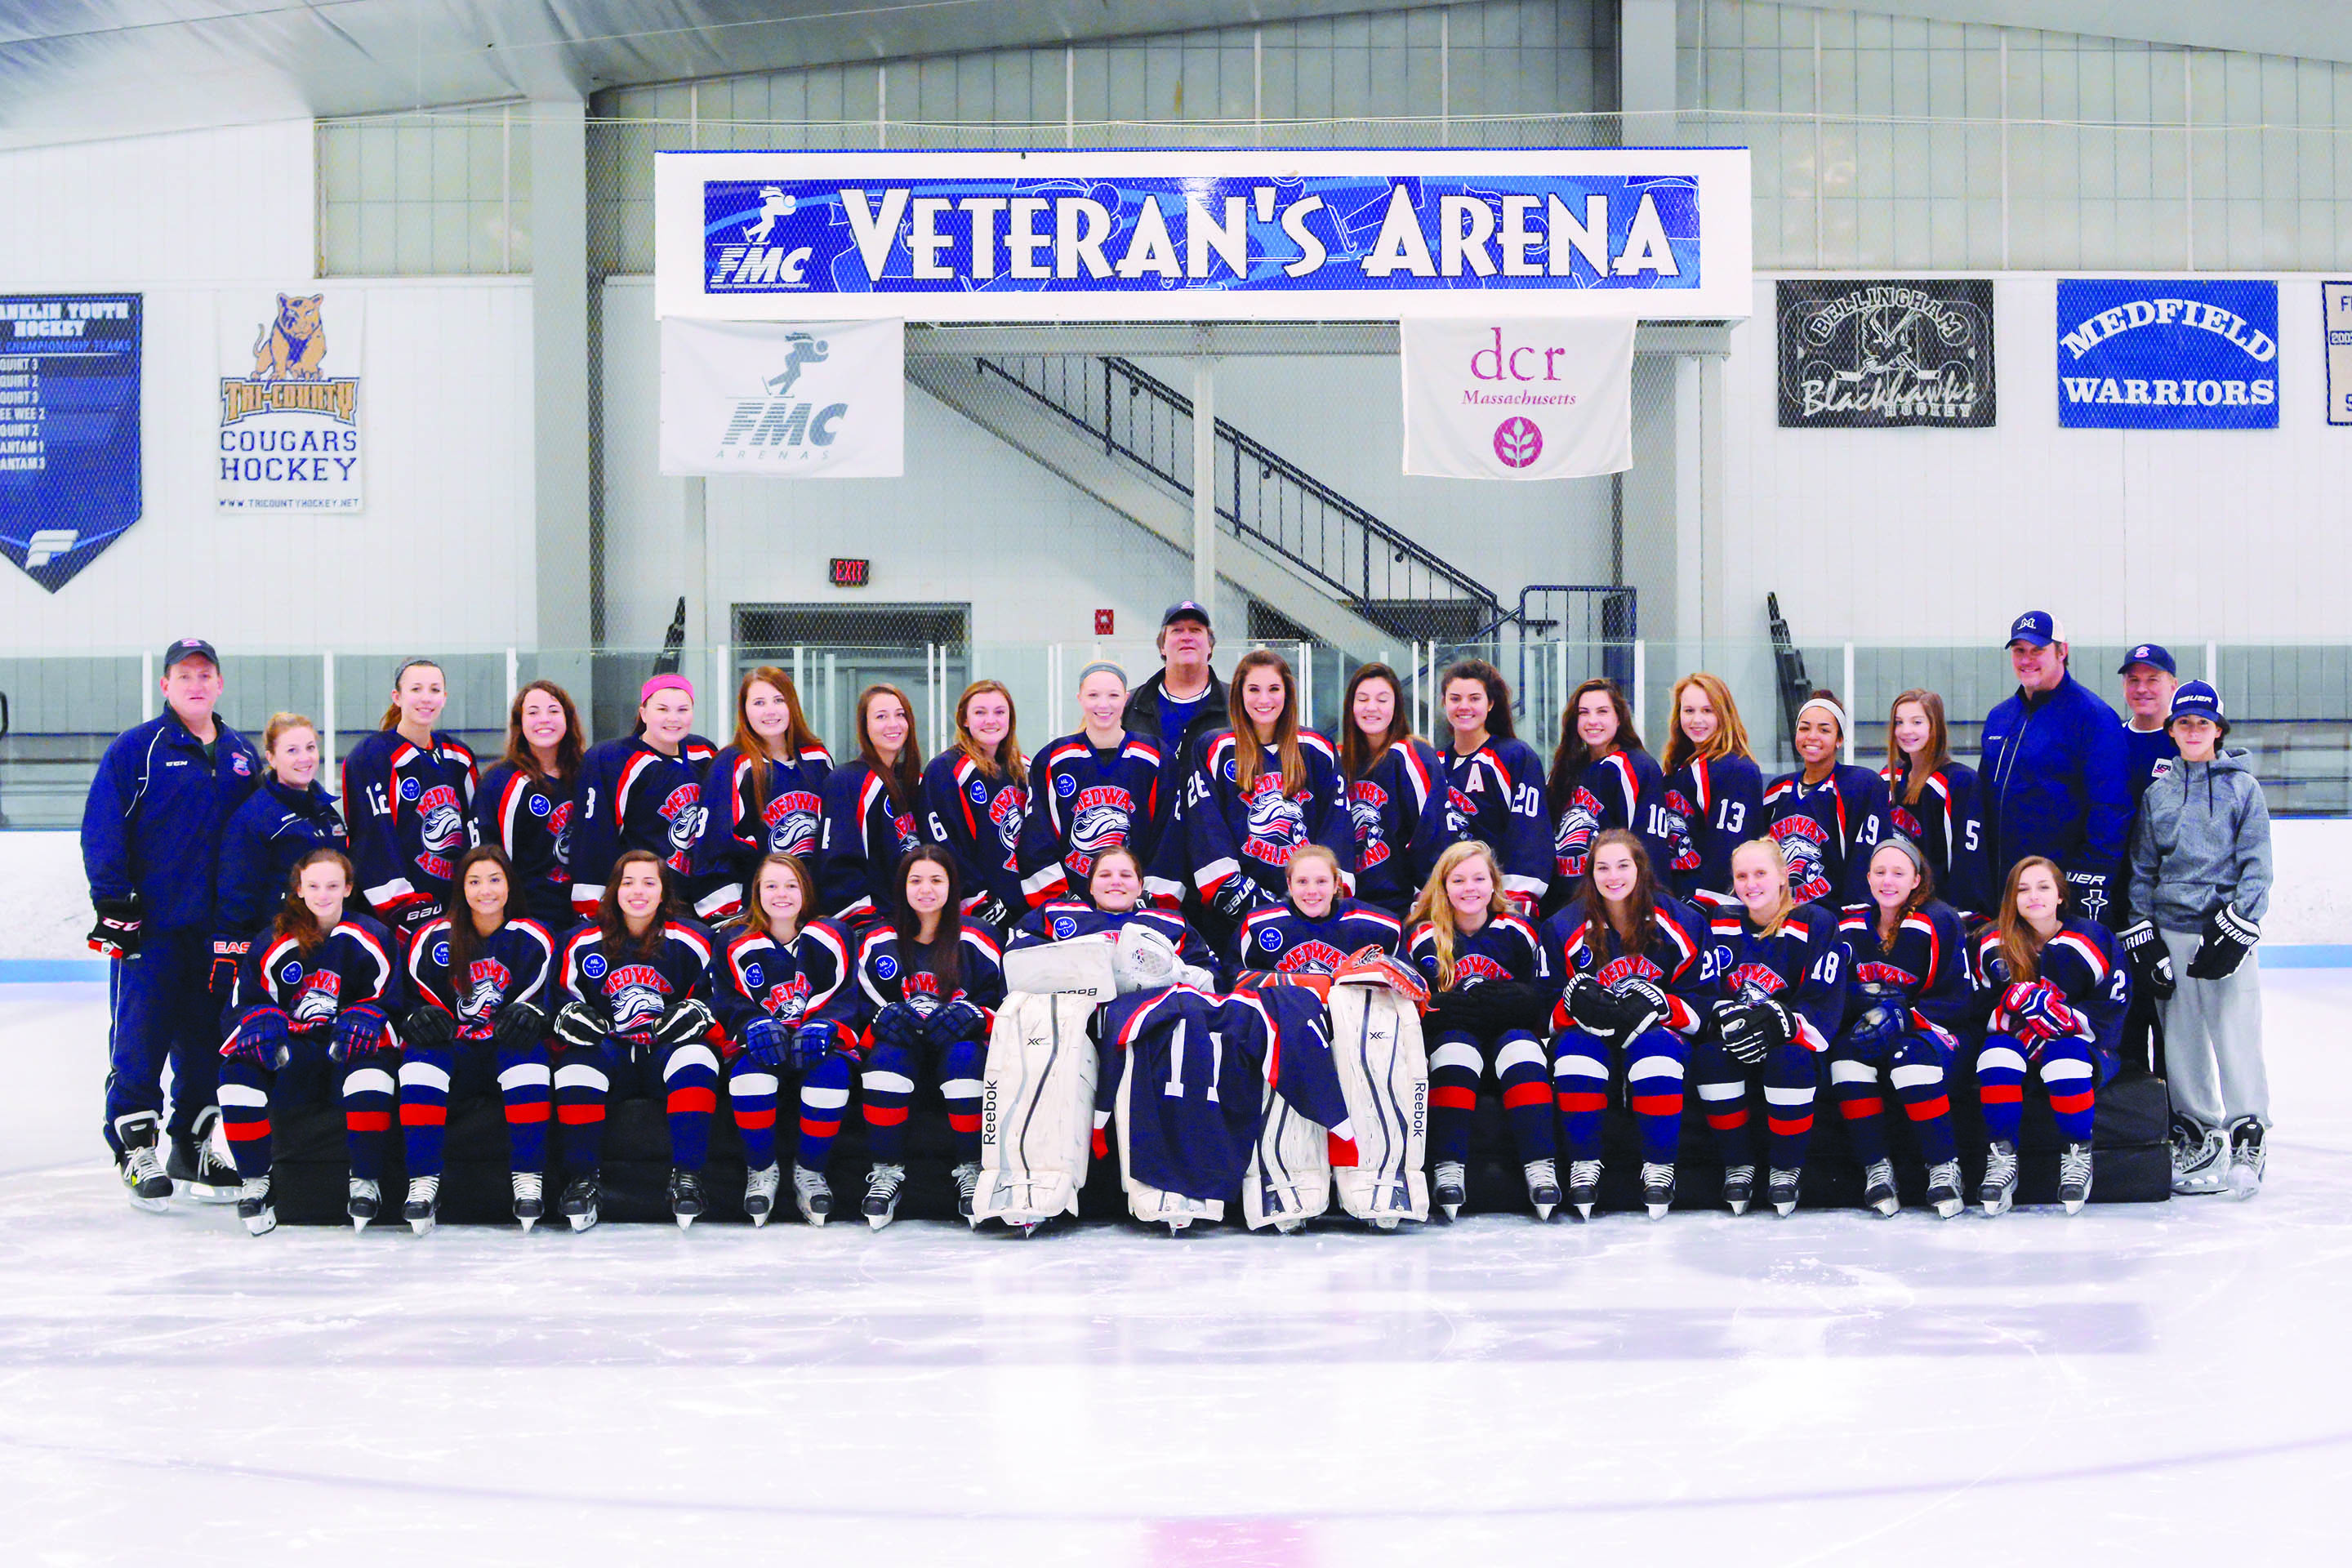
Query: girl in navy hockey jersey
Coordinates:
[1313,929]
[279,823]
[528,803]
[1601,778]
[642,792]
[1932,800]
[1495,781]
[1396,791]
[763,794]
[1106,787]
[1780,982]
[871,806]
[1912,989]
[408,796]
[635,1015]
[931,983]
[1827,816]
[1114,901]
[479,995]
[777,986]
[1262,789]
[2058,989]
[311,1014]
[1489,982]
[975,797]
[1712,798]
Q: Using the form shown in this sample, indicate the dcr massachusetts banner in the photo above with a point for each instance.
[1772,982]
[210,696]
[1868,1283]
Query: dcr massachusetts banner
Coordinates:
[1518,399]
[824,400]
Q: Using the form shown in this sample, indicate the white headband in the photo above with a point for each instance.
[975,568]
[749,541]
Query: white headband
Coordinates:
[1835,712]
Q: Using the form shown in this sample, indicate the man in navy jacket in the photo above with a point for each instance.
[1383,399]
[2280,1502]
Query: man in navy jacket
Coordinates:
[2055,774]
[151,844]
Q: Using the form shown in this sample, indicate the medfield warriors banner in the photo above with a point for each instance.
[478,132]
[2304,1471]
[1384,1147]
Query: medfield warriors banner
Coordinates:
[1518,399]
[781,400]
[1880,355]
[2152,353]
[289,435]
[69,480]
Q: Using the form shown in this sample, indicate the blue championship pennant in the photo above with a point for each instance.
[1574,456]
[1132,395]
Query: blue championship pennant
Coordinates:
[68,429]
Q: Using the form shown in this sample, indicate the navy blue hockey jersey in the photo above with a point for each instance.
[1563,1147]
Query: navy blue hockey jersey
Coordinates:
[1706,810]
[1804,966]
[1496,796]
[1066,918]
[632,988]
[1948,830]
[1616,791]
[1282,937]
[889,971]
[353,966]
[632,796]
[1507,948]
[865,834]
[1826,831]
[1252,836]
[531,819]
[1677,956]
[410,811]
[801,981]
[1084,801]
[1399,810]
[1927,966]
[978,818]
[741,824]
[2082,962]
[511,964]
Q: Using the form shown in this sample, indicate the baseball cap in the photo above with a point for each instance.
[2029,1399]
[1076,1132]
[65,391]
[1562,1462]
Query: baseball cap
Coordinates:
[2148,653]
[2038,627]
[2198,700]
[189,647]
[1186,610]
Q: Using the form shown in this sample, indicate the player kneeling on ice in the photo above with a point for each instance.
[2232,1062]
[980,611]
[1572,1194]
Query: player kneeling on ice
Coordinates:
[1911,988]
[1780,972]
[310,1009]
[932,981]
[781,989]
[2059,989]
[636,1020]
[478,980]
[1490,988]
[1637,968]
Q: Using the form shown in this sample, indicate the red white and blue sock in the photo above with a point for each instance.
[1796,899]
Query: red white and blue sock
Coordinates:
[690,1086]
[368,1092]
[1656,1061]
[583,1085]
[824,1098]
[1580,1080]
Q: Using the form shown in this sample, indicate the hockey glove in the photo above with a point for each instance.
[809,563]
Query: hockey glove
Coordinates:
[1368,965]
[958,1020]
[812,1043]
[990,909]
[220,980]
[1235,896]
[260,1037]
[116,931]
[430,1025]
[411,915]
[2229,937]
[1143,959]
[898,1027]
[1751,1031]
[360,1030]
[767,1042]
[582,1027]
[1879,1026]
[1589,1005]
[2151,964]
[689,1020]
[519,1027]
[2046,1014]
[1642,1006]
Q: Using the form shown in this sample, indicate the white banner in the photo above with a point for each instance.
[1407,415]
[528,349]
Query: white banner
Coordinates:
[1518,399]
[823,400]
[289,403]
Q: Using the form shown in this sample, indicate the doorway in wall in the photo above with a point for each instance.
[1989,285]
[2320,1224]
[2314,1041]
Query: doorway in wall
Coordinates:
[834,651]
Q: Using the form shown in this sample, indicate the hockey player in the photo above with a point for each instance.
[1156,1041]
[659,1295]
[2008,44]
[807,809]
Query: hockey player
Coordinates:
[763,794]
[1601,778]
[1638,968]
[1105,787]
[1911,988]
[478,981]
[290,816]
[2055,773]
[1490,988]
[778,984]
[1494,782]
[1828,815]
[1114,901]
[1932,800]
[642,792]
[1396,791]
[1260,791]
[870,811]
[1713,797]
[150,839]
[2058,989]
[409,795]
[2202,874]
[975,798]
[529,802]
[1313,929]
[636,984]
[312,1008]
[1780,982]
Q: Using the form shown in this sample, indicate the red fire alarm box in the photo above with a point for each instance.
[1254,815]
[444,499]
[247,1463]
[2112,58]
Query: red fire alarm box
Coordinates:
[1105,622]
[849,573]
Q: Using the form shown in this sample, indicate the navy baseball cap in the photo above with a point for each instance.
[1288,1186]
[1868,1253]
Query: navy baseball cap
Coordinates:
[189,647]
[2195,700]
[2148,653]
[1186,610]
[2038,627]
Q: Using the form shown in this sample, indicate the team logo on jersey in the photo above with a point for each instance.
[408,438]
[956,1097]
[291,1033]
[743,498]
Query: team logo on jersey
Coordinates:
[1874,972]
[1269,939]
[320,995]
[1011,804]
[1366,801]
[441,953]
[487,984]
[682,810]
[921,991]
[592,967]
[903,824]
[1459,809]
[1064,928]
[752,976]
[1572,836]
[410,789]
[1762,978]
[559,825]
[239,764]
[1064,785]
[1908,825]
[1470,968]
[537,805]
[1275,824]
[979,792]
[443,830]
[793,819]
[786,1000]
[1618,970]
[638,997]
[291,974]
[1803,841]
[1099,823]
[885,965]
[1310,958]
[1675,819]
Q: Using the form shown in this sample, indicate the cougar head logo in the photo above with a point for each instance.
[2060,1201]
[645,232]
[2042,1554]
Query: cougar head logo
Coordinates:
[291,347]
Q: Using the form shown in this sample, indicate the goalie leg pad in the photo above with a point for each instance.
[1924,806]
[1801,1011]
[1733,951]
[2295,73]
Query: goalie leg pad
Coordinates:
[1082,965]
[1289,1178]
[1036,1109]
[1377,1049]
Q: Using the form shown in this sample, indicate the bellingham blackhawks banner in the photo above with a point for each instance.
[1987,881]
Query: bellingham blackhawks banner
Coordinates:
[2154,354]
[1517,400]
[1362,235]
[68,429]
[783,400]
[1878,355]
[289,429]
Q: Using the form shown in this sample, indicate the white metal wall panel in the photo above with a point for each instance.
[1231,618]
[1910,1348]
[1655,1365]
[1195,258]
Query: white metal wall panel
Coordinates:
[196,206]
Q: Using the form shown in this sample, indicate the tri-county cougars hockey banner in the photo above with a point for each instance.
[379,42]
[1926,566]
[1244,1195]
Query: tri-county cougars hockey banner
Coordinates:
[1517,400]
[825,400]
[289,425]
[1230,236]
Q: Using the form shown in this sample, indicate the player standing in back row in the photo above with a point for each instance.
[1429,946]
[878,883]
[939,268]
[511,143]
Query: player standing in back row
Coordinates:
[409,795]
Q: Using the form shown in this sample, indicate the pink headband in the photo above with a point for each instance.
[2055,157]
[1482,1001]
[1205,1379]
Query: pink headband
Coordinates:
[664,683]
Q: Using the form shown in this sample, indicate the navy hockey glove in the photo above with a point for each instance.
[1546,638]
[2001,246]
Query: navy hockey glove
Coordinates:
[2088,892]
[812,1043]
[990,909]
[2151,964]
[1642,1006]
[1750,1031]
[1879,1026]
[1235,896]
[767,1042]
[689,1020]
[899,1027]
[582,1027]
[411,915]
[116,931]
[519,1027]
[360,1030]
[220,980]
[1589,1005]
[2229,937]
[430,1025]
[959,1020]
[260,1037]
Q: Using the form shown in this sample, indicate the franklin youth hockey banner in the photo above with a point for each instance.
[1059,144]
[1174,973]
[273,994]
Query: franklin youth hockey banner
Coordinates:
[1517,400]
[1874,356]
[2160,354]
[68,429]
[821,401]
[1367,235]
[289,404]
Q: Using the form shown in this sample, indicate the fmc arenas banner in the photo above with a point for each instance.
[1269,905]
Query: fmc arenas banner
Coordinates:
[68,429]
[1338,236]
[2168,355]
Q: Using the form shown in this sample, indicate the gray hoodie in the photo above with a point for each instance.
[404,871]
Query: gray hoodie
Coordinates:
[2204,841]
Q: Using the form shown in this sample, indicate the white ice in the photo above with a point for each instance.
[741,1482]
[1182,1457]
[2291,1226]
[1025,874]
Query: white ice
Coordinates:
[2140,1383]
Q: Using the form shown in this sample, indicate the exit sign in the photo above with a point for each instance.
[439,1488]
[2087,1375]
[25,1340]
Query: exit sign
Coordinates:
[848,573]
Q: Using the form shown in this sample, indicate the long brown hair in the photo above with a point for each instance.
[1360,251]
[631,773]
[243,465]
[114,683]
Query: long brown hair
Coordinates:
[1788,895]
[1572,756]
[1499,723]
[1007,759]
[390,719]
[1918,899]
[2020,946]
[903,779]
[294,917]
[568,751]
[1731,737]
[755,915]
[1641,905]
[798,737]
[946,949]
[1357,753]
[1432,908]
[465,943]
[1249,753]
[1939,744]
[615,925]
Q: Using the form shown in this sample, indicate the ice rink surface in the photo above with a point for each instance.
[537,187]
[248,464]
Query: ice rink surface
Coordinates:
[2148,1382]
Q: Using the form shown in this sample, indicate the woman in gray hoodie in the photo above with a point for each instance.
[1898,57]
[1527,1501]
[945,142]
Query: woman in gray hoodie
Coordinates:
[2201,879]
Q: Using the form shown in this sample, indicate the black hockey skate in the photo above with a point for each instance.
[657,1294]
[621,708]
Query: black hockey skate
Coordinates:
[1944,1193]
[1738,1187]
[141,1172]
[685,1195]
[1543,1187]
[1583,1186]
[759,1192]
[882,1186]
[253,1206]
[1999,1189]
[197,1168]
[2074,1176]
[363,1203]
[2201,1159]
[580,1200]
[424,1205]
[1446,1187]
[812,1195]
[1658,1188]
[967,1184]
[1878,1188]
[530,1206]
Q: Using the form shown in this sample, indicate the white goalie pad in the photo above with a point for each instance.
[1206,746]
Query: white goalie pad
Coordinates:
[1289,1179]
[1082,966]
[1383,1070]
[1036,1106]
[1154,1206]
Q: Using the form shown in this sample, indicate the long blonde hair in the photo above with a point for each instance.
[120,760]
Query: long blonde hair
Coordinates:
[1432,908]
[1781,863]
[1005,761]
[1731,737]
